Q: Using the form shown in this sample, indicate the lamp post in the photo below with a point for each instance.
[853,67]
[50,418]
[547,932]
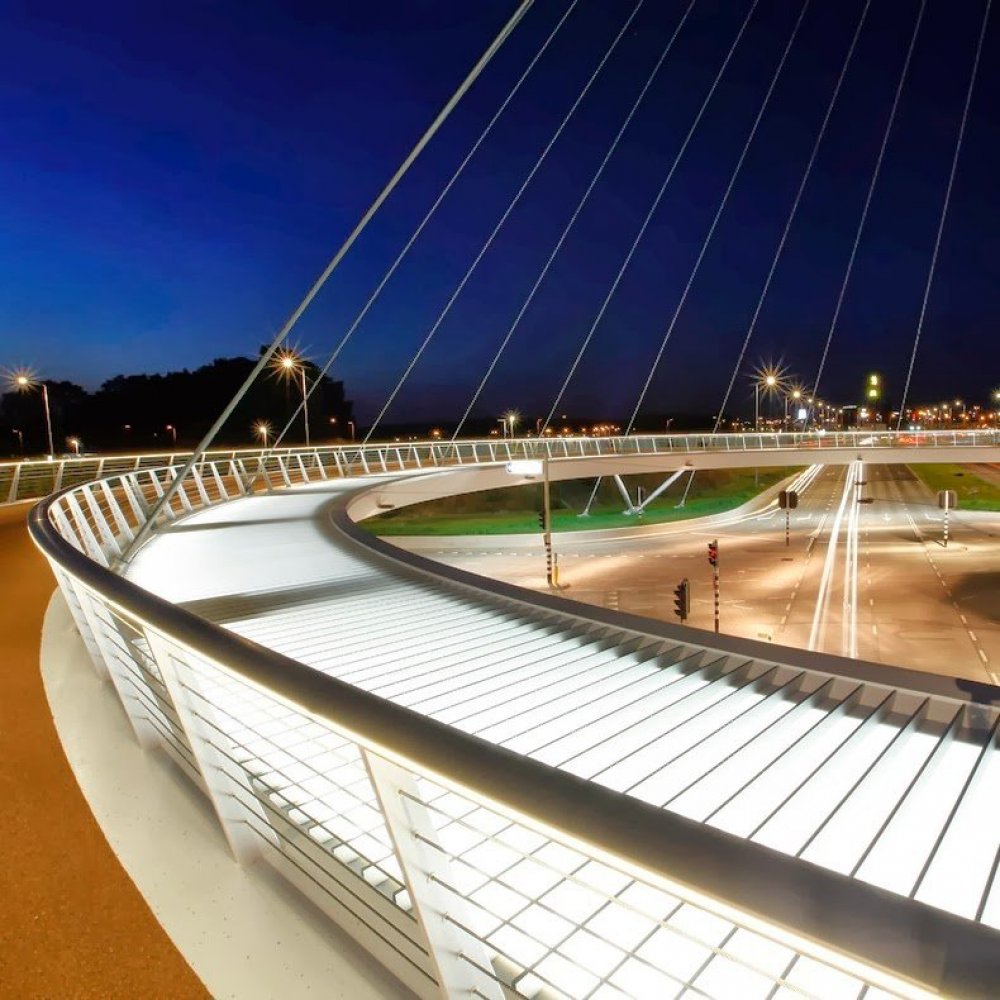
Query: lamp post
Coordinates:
[262,429]
[769,380]
[74,443]
[292,367]
[350,423]
[796,396]
[25,383]
[20,439]
[510,420]
[173,433]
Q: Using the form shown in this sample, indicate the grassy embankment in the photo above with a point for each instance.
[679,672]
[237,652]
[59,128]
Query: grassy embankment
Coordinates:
[974,493]
[515,510]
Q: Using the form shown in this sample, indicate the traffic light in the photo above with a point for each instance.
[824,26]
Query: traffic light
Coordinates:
[713,552]
[682,600]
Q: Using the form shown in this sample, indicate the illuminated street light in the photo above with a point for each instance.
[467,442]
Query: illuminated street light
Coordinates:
[173,433]
[510,420]
[262,430]
[74,443]
[289,365]
[771,379]
[24,382]
[20,438]
[795,395]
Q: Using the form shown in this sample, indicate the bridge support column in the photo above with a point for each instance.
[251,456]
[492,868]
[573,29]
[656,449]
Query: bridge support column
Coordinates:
[214,753]
[629,506]
[460,960]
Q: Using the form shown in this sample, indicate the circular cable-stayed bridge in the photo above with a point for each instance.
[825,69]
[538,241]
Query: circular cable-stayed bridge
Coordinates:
[500,793]
[496,790]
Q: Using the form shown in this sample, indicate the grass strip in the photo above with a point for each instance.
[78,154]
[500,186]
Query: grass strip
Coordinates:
[974,492]
[514,511]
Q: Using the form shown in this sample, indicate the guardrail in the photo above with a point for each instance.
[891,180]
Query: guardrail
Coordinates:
[463,867]
[33,479]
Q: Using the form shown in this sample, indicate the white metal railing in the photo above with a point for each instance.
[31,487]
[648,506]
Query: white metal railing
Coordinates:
[463,867]
[34,478]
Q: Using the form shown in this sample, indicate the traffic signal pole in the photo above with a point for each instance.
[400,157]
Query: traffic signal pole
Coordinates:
[547,524]
[713,561]
[788,500]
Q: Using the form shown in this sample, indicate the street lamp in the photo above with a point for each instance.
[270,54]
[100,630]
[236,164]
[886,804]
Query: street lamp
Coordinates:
[173,433]
[74,443]
[510,420]
[771,379]
[350,423]
[262,429]
[25,383]
[796,396]
[291,366]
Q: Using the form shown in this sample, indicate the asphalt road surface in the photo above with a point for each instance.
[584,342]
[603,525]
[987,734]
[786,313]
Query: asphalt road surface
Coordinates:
[870,579]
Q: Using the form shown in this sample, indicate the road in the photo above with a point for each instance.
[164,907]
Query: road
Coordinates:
[868,579]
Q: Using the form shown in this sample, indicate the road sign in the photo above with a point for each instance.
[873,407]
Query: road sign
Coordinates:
[788,499]
[947,499]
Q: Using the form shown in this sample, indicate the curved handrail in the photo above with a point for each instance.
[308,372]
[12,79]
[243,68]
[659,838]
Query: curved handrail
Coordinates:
[911,940]
[33,478]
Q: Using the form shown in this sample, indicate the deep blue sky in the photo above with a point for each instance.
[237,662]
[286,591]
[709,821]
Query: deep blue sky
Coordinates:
[174,176]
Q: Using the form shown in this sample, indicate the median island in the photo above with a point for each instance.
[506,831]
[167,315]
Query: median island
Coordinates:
[514,510]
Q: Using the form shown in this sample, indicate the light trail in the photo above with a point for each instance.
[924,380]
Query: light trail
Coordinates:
[849,615]
[829,563]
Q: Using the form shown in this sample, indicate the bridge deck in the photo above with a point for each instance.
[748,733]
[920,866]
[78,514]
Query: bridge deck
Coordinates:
[885,786]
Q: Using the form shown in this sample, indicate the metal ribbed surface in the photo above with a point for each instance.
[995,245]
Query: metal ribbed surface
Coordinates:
[886,786]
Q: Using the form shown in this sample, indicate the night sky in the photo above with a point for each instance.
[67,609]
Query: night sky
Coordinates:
[175,175]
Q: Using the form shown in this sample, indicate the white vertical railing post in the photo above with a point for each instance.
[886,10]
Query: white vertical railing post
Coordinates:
[219,484]
[133,493]
[100,625]
[115,509]
[214,754]
[197,474]
[12,495]
[103,528]
[86,534]
[181,494]
[242,476]
[425,869]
